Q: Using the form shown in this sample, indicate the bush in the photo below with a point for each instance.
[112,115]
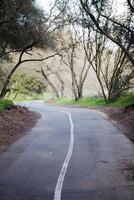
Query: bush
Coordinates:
[4,103]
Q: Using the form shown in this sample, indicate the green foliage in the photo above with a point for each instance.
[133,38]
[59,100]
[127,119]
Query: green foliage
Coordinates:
[121,102]
[35,85]
[21,23]
[91,101]
[124,101]
[5,103]
[22,84]
[88,101]
[64,100]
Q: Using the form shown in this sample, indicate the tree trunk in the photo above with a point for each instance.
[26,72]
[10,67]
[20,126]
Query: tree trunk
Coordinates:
[80,90]
[4,89]
[102,89]
[15,95]
[50,83]
[62,84]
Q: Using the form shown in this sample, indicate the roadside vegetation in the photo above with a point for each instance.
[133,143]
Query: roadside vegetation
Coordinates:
[121,102]
[4,104]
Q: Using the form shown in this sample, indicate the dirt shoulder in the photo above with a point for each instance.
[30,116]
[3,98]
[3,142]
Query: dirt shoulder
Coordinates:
[14,123]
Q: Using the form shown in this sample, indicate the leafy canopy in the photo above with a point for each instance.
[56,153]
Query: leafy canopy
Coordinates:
[21,24]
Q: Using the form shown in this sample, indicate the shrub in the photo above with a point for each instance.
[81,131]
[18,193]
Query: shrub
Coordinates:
[4,103]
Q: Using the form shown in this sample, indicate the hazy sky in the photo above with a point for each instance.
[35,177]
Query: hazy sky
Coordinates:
[44,3]
[119,4]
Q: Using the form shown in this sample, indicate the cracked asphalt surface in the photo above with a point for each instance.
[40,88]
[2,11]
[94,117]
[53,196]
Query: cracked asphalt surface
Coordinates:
[99,168]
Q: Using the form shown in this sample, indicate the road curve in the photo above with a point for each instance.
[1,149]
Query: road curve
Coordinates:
[71,154]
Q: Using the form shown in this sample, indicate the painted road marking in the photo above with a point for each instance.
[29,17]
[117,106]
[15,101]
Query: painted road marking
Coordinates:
[59,185]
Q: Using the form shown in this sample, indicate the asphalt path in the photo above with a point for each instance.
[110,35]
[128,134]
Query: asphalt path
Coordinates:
[71,154]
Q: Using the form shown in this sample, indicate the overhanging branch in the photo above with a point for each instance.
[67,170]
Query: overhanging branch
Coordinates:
[87,10]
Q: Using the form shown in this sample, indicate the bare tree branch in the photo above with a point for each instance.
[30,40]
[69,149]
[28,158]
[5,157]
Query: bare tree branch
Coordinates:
[87,10]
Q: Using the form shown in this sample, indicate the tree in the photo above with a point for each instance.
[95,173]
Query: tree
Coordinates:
[77,70]
[50,83]
[119,78]
[122,33]
[62,83]
[112,68]
[49,71]
[24,84]
[23,27]
[95,26]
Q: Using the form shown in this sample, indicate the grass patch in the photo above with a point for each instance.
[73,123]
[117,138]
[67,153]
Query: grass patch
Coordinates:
[83,101]
[121,102]
[64,100]
[91,101]
[4,103]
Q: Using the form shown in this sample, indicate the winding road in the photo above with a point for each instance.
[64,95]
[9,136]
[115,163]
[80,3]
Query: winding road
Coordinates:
[71,154]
